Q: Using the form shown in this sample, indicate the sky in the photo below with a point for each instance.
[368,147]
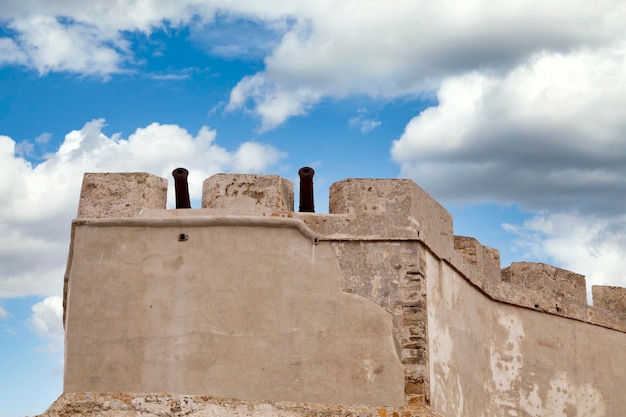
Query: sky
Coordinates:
[512,114]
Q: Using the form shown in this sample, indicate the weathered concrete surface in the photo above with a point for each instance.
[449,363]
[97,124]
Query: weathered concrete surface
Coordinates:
[609,298]
[220,313]
[561,283]
[120,194]
[103,404]
[248,193]
[489,358]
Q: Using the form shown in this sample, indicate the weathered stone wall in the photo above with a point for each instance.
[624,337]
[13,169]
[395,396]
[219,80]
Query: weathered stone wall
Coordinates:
[489,358]
[418,315]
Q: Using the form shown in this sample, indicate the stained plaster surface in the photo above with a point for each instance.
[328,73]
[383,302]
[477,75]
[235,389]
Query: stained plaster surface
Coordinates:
[252,311]
[489,358]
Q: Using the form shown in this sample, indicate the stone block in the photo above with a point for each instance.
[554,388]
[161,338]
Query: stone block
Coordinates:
[563,284]
[248,193]
[483,260]
[120,194]
[609,298]
[400,202]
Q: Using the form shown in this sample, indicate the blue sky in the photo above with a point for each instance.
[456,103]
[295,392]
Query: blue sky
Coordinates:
[510,114]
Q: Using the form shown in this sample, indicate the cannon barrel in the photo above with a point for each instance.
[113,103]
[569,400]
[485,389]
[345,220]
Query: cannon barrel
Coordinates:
[306,190]
[182,188]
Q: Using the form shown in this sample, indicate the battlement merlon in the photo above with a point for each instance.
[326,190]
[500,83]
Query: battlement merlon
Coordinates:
[120,194]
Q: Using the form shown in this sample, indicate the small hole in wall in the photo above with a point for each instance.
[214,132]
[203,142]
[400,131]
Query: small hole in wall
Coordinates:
[558,308]
[536,305]
[183,237]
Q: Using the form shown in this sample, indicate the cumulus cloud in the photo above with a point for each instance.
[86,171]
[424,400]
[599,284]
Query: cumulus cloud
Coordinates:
[10,52]
[408,49]
[91,38]
[86,38]
[548,135]
[52,45]
[255,157]
[271,103]
[47,317]
[35,221]
[46,321]
[369,49]
[589,245]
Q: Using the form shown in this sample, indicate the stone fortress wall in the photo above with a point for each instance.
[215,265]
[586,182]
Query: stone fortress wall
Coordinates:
[376,303]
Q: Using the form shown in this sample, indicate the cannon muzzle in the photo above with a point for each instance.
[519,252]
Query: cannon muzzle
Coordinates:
[182,188]
[306,190]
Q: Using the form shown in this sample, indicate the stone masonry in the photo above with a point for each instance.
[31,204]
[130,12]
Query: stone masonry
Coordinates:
[393,247]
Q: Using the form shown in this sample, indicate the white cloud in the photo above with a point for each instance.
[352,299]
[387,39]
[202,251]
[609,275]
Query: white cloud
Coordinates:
[548,135]
[47,317]
[364,124]
[255,157]
[35,221]
[327,48]
[273,105]
[86,38]
[589,245]
[24,148]
[245,38]
[3,313]
[409,48]
[46,321]
[10,53]
[73,47]
[108,16]
[43,138]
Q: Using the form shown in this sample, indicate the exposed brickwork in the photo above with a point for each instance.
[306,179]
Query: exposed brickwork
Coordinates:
[415,332]
[390,274]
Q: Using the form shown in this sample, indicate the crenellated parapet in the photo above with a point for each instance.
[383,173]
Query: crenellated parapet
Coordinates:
[379,294]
